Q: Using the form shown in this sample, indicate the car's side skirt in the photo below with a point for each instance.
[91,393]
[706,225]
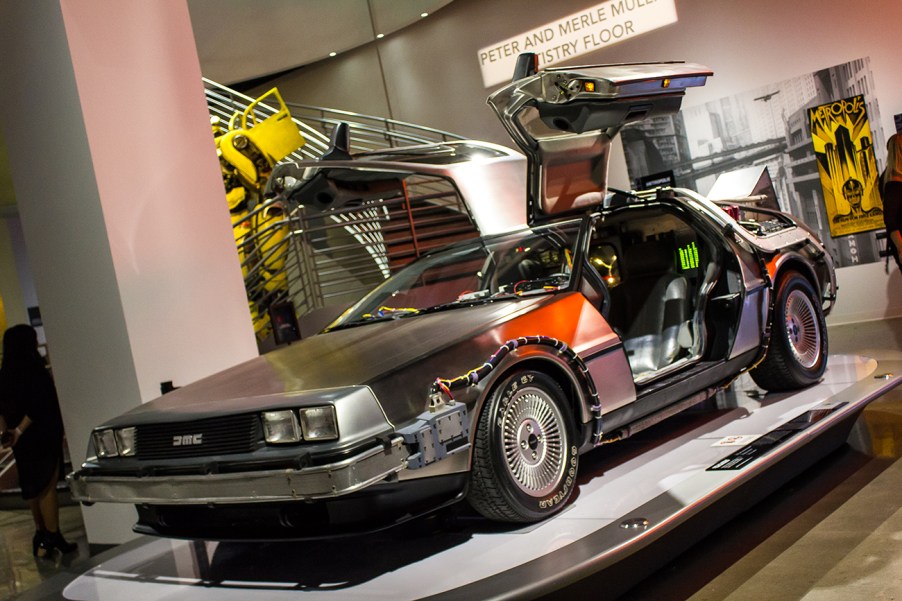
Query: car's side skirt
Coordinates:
[660,395]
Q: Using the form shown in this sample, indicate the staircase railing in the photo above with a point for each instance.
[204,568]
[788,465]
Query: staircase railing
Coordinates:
[317,260]
[315,122]
[369,132]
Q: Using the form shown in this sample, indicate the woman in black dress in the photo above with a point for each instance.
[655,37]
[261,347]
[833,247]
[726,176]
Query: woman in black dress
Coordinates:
[31,424]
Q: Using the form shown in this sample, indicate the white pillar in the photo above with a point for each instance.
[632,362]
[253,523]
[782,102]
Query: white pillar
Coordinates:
[122,207]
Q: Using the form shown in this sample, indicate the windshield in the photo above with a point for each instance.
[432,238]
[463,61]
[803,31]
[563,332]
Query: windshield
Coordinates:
[527,262]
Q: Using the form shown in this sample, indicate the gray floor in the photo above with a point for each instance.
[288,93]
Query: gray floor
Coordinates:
[833,533]
[19,570]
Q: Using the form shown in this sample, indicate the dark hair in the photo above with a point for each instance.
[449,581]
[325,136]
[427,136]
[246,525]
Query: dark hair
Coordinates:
[20,347]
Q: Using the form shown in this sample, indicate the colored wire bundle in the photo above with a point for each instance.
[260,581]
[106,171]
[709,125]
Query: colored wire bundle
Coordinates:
[474,376]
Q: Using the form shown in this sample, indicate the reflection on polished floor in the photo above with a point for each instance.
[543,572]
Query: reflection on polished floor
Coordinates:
[833,533]
[19,570]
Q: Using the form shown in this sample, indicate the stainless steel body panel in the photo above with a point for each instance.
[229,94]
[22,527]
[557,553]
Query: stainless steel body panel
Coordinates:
[323,366]
[320,482]
[492,185]
[749,334]
[614,381]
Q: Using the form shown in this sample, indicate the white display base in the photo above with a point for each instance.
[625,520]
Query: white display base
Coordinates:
[632,497]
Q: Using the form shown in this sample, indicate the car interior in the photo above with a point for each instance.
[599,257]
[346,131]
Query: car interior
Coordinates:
[658,271]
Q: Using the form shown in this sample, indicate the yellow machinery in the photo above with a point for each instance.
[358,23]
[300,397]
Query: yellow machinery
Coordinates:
[248,149]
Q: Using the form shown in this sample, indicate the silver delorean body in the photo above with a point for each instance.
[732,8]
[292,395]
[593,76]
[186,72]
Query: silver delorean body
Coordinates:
[484,370]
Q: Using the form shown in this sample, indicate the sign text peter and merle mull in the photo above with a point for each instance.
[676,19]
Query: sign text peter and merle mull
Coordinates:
[574,35]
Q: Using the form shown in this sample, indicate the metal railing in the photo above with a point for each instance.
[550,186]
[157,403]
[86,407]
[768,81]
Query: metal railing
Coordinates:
[316,123]
[316,259]
[369,132]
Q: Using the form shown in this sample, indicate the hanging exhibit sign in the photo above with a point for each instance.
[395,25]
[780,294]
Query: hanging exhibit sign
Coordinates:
[574,35]
[844,147]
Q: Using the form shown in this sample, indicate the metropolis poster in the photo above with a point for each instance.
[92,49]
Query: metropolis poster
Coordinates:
[847,166]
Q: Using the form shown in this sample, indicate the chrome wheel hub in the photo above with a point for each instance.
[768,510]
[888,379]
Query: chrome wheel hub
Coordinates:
[533,442]
[802,329]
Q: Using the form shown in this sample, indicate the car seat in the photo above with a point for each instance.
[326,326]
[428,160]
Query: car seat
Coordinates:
[658,300]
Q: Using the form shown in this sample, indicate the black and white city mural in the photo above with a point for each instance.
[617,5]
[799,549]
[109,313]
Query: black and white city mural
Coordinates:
[770,127]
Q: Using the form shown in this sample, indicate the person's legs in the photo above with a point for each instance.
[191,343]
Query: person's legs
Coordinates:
[48,507]
[35,506]
[894,245]
[40,529]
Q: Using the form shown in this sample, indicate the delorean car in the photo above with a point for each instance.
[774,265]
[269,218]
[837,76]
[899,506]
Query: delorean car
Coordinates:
[483,371]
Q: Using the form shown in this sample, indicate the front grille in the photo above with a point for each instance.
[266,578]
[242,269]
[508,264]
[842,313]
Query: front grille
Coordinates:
[201,438]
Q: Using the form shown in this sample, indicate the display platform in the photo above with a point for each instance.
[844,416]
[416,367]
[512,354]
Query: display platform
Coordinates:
[638,504]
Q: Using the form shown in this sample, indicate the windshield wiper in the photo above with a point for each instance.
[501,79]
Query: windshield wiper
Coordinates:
[382,314]
[543,285]
[392,312]
[552,283]
[469,302]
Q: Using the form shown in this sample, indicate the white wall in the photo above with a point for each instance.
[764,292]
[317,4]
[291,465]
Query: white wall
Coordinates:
[866,293]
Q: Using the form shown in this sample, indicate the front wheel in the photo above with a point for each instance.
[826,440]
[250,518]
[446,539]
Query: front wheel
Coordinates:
[797,355]
[524,457]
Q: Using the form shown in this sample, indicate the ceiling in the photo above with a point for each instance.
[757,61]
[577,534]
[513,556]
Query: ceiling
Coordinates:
[241,40]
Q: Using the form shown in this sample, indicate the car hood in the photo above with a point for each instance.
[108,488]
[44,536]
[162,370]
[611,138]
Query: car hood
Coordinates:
[564,120]
[314,369]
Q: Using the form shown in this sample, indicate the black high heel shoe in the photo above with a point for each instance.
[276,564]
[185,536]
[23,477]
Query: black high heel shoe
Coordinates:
[37,542]
[55,540]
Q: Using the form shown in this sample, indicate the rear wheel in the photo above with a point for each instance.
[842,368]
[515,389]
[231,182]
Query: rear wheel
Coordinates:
[797,355]
[524,458]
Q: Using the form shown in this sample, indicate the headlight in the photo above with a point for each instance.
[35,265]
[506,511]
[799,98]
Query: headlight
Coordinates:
[105,443]
[319,423]
[125,440]
[281,427]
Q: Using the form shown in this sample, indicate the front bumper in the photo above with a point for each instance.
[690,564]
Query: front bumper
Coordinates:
[318,482]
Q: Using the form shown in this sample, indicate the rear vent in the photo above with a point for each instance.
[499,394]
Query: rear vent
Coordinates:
[202,438]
